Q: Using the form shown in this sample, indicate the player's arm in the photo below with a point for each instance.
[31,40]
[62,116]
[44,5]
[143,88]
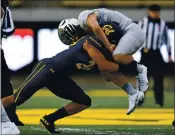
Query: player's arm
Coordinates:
[103,64]
[166,41]
[95,27]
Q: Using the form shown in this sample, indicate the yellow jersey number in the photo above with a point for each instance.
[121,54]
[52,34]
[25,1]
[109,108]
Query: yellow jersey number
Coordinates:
[87,67]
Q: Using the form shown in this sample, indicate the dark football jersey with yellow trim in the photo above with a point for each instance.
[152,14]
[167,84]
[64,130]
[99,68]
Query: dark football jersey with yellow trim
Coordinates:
[76,58]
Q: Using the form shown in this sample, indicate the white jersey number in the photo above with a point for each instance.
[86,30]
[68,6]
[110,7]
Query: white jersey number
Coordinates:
[88,67]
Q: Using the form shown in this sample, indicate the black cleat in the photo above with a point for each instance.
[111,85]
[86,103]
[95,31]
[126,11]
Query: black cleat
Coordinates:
[173,123]
[48,125]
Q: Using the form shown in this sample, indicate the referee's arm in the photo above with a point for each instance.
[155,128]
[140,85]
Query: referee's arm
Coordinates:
[166,40]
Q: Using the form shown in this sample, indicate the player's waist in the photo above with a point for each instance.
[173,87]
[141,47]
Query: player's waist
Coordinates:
[128,26]
[46,66]
[43,64]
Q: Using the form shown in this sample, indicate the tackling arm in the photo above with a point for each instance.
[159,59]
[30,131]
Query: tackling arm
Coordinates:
[103,64]
[166,40]
[117,78]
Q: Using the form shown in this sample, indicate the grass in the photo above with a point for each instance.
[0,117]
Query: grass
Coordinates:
[105,117]
[101,130]
[45,99]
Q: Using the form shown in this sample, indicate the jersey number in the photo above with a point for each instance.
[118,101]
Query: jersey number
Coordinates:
[88,67]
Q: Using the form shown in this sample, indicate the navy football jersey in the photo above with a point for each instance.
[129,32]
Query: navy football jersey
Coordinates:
[76,58]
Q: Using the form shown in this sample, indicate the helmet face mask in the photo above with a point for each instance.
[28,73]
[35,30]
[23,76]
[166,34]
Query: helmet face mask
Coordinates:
[67,31]
[64,38]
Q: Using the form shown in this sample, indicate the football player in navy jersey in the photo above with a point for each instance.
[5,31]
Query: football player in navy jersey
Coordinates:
[54,72]
[85,53]
[70,30]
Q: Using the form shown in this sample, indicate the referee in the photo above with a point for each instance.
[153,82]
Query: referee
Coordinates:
[7,29]
[156,35]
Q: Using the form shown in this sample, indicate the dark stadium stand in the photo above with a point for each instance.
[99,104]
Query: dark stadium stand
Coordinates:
[93,3]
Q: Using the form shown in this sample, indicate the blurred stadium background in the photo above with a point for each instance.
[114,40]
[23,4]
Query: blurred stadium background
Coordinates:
[36,38]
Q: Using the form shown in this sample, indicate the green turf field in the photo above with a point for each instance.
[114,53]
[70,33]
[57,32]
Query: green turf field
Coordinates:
[107,116]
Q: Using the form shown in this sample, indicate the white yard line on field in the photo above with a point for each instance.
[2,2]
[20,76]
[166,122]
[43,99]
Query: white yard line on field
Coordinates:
[90,131]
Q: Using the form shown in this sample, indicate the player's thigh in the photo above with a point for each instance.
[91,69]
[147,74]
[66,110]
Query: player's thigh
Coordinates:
[130,42]
[66,88]
[33,82]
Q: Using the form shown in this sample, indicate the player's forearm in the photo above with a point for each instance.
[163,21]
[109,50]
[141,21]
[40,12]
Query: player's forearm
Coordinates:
[117,78]
[98,57]
[108,66]
[100,34]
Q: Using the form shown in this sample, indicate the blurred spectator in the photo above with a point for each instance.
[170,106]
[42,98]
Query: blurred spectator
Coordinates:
[156,35]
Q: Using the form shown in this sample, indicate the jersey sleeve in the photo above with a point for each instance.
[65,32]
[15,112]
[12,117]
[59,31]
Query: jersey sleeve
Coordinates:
[82,18]
[166,39]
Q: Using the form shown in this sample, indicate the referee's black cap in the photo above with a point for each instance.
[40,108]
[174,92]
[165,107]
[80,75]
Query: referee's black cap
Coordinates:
[154,7]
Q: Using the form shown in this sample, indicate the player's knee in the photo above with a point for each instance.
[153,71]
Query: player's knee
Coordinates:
[87,101]
[19,101]
[8,101]
[11,99]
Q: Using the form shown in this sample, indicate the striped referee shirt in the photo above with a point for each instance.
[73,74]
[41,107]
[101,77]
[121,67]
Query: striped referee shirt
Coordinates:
[156,33]
[7,26]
